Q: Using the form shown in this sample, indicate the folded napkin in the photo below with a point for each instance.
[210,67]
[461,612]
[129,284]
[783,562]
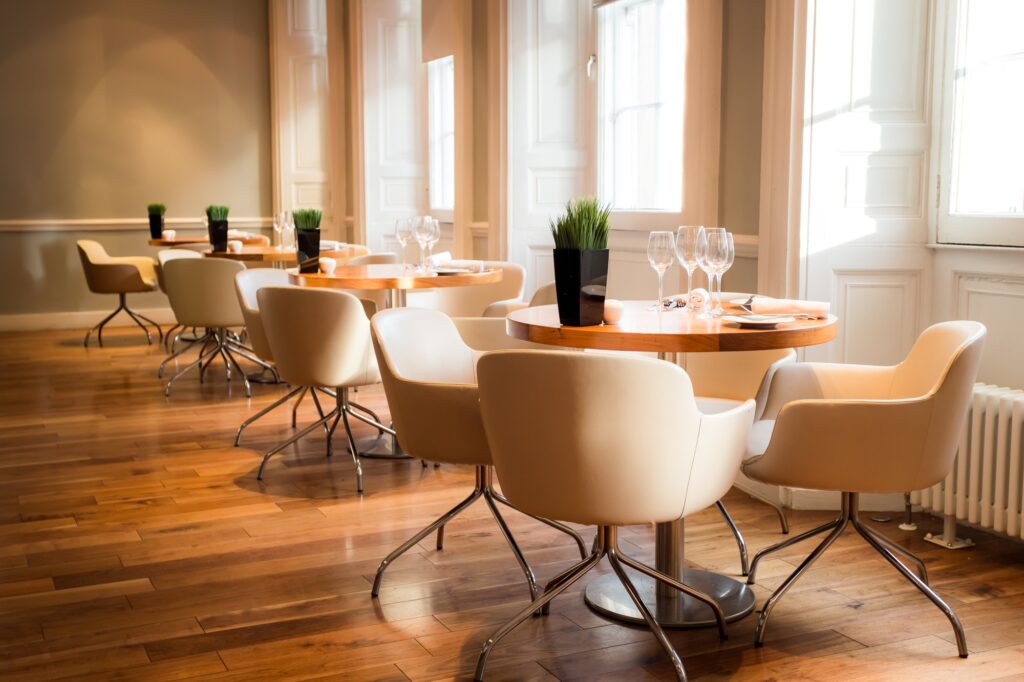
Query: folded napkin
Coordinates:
[763,305]
[239,234]
[329,245]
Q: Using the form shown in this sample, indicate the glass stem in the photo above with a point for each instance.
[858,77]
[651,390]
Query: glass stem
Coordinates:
[718,292]
[661,281]
[689,287]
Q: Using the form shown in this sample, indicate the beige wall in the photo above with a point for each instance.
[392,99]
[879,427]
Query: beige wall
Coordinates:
[110,105]
[740,150]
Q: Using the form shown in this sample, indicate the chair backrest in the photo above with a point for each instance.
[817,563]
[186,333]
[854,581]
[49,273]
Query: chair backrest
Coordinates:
[429,377]
[740,375]
[383,258]
[202,291]
[107,275]
[544,295]
[247,283]
[588,438]
[166,256]
[318,337]
[92,253]
[470,301]
[488,333]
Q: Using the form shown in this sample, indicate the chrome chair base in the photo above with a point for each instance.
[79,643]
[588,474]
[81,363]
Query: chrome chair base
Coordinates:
[328,421]
[740,542]
[300,391]
[605,545]
[848,516]
[137,318]
[484,488]
[215,343]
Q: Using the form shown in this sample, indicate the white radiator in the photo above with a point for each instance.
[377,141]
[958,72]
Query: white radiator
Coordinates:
[986,485]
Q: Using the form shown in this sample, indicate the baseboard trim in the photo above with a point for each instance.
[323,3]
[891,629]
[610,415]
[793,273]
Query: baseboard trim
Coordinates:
[82,319]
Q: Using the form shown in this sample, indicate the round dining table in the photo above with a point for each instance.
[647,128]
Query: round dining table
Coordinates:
[397,279]
[204,238]
[279,257]
[666,333]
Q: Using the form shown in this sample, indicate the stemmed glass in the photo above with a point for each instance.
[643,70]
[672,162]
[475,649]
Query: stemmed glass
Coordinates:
[279,220]
[404,234]
[715,256]
[435,237]
[730,256]
[423,230]
[689,240]
[661,254]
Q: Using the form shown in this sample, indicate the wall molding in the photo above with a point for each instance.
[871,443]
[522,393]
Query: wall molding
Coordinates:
[79,319]
[118,224]
[479,228]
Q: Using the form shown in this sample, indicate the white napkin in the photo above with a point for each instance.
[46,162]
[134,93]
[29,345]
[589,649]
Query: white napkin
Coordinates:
[763,305]
[239,234]
[329,245]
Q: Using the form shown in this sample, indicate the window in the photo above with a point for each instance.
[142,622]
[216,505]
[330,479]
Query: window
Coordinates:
[640,104]
[441,136]
[981,180]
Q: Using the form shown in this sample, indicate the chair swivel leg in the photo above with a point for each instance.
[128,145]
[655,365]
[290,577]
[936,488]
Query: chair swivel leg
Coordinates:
[281,446]
[531,579]
[922,572]
[295,407]
[139,319]
[99,327]
[204,355]
[554,524]
[175,354]
[788,542]
[740,542]
[265,411]
[344,411]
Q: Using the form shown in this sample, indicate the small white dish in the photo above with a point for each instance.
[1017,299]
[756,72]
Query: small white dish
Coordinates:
[757,321]
[170,234]
[613,310]
[234,246]
[328,265]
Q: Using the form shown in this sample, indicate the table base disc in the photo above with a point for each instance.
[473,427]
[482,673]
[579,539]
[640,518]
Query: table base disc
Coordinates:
[381,447]
[607,596]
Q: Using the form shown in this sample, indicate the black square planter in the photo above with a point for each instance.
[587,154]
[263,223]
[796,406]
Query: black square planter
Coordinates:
[308,251]
[218,235]
[156,226]
[580,281]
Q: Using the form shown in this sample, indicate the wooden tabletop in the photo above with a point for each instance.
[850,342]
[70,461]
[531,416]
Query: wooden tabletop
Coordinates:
[391,277]
[272,254]
[197,239]
[671,331]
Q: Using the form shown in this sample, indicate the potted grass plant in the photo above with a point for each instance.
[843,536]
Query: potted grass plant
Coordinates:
[217,224]
[581,261]
[307,235]
[156,219]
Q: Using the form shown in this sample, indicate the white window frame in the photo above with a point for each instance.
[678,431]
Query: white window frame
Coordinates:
[631,219]
[439,172]
[977,230]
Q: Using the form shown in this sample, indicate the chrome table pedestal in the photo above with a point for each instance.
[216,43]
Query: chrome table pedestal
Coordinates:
[670,607]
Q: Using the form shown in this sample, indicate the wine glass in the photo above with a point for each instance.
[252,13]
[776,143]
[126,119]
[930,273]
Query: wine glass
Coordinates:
[730,256]
[435,237]
[422,229]
[661,254]
[288,231]
[278,230]
[403,233]
[714,258]
[689,239]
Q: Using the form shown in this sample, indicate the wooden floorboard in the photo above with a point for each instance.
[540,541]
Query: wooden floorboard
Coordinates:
[137,544]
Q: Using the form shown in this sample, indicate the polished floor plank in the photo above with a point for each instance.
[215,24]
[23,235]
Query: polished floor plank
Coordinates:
[135,543]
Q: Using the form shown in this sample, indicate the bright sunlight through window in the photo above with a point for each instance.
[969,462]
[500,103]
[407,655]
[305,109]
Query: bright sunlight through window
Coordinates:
[640,105]
[441,132]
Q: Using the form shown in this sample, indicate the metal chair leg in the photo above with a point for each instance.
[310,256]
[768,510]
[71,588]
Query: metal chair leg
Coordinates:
[682,587]
[574,574]
[922,572]
[781,512]
[265,411]
[411,542]
[766,610]
[172,356]
[295,407]
[245,379]
[531,579]
[301,434]
[659,634]
[343,408]
[958,628]
[99,327]
[375,424]
[744,566]
[138,322]
[197,362]
[373,415]
[788,542]
[554,524]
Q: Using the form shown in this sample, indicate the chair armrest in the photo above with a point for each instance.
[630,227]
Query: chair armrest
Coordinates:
[146,266]
[439,422]
[503,308]
[817,380]
[851,445]
[721,444]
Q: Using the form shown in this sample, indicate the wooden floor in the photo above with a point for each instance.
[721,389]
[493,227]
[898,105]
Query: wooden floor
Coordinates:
[136,544]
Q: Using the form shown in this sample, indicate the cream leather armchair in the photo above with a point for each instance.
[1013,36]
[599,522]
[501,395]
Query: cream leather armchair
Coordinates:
[429,377]
[373,300]
[475,301]
[166,256]
[201,292]
[320,339]
[123,275]
[862,429]
[558,424]
[544,295]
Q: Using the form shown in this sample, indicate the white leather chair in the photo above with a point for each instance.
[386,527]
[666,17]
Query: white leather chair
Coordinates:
[429,377]
[544,295]
[558,425]
[474,301]
[201,292]
[106,274]
[382,258]
[320,338]
[165,256]
[863,429]
[247,283]
[373,300]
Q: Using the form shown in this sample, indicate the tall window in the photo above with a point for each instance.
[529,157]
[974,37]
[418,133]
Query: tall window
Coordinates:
[441,135]
[640,104]
[981,182]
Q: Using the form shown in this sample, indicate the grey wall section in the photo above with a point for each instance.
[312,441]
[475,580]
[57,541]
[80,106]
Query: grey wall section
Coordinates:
[740,151]
[111,104]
